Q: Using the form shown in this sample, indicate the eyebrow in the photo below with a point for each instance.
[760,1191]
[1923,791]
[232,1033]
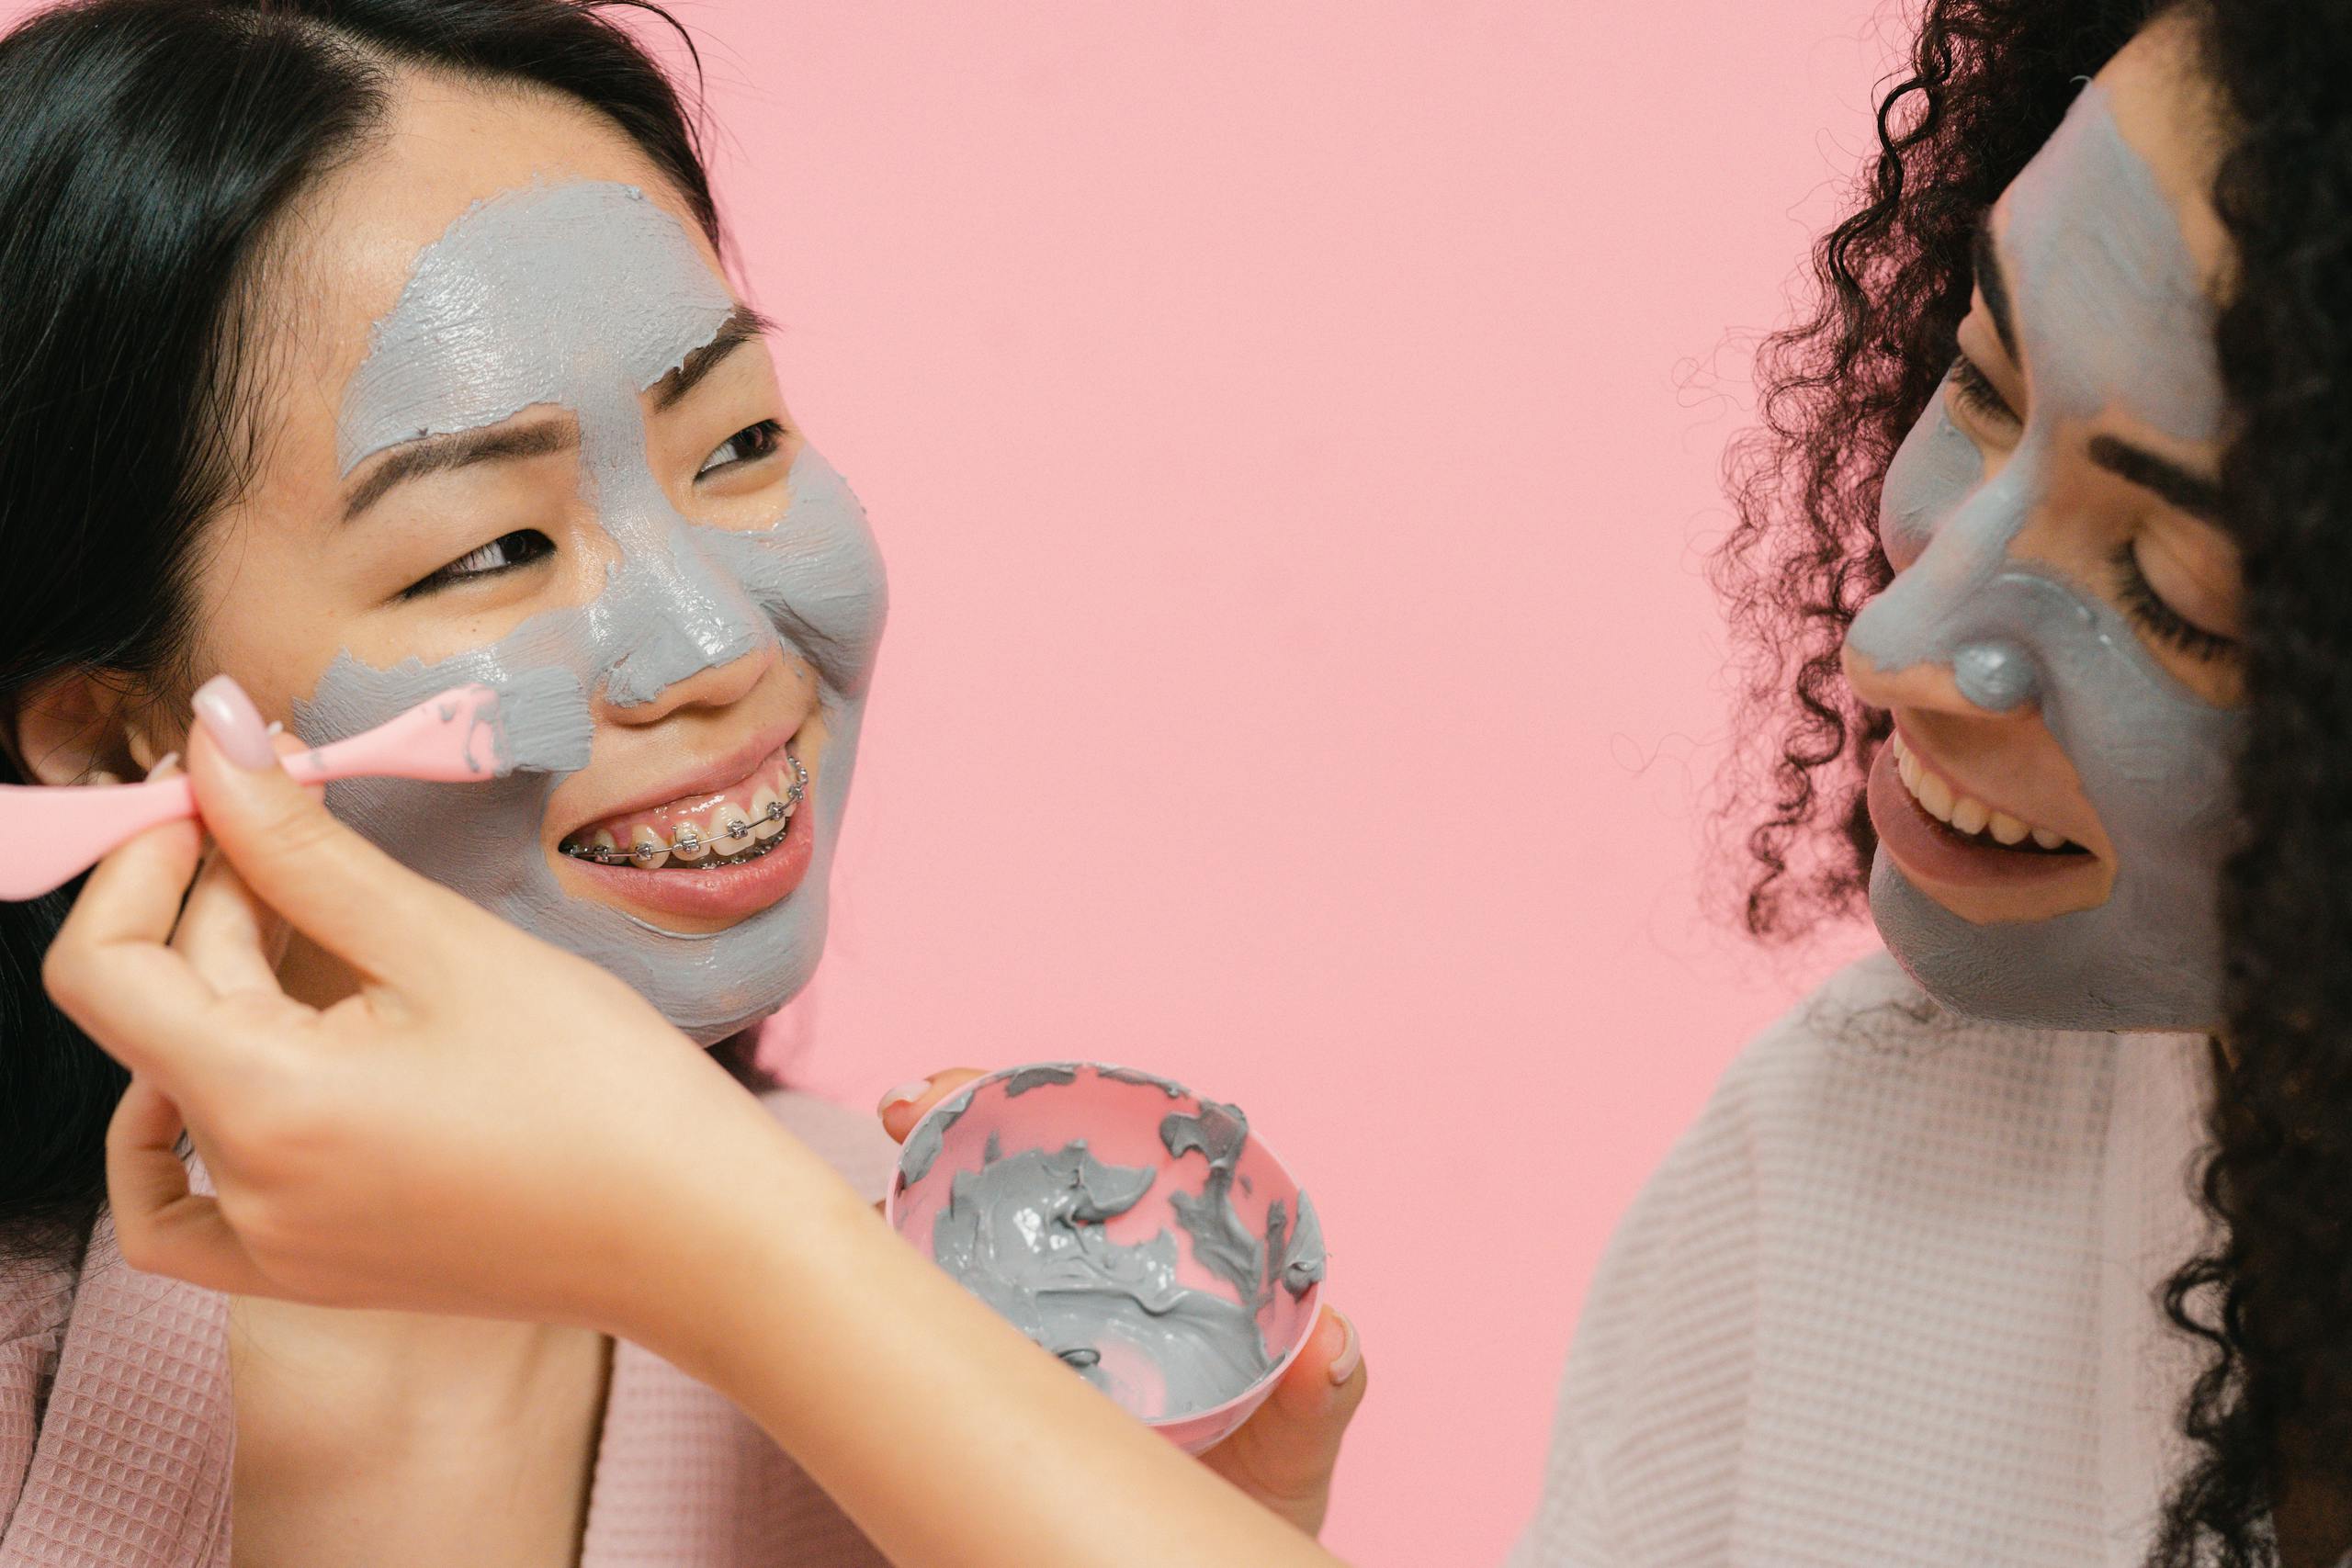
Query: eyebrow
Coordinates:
[459,450]
[440,452]
[1995,284]
[739,329]
[2193,493]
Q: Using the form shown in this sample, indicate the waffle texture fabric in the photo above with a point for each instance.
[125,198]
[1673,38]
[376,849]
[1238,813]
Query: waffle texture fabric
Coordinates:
[1895,1298]
[117,1429]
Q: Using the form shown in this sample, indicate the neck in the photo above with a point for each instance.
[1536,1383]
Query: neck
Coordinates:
[406,1369]
[347,1421]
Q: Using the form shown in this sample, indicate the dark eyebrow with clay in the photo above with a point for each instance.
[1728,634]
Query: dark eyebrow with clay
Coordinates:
[439,453]
[1994,282]
[2194,494]
[459,450]
[738,330]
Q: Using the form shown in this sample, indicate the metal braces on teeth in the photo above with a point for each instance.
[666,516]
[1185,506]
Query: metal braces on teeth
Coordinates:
[688,838]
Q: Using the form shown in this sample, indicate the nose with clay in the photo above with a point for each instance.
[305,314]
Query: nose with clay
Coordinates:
[670,611]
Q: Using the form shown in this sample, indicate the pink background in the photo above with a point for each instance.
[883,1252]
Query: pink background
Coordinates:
[1294,429]
[1294,432]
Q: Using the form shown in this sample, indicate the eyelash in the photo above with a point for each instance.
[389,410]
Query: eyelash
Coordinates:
[2142,603]
[519,548]
[771,434]
[1976,389]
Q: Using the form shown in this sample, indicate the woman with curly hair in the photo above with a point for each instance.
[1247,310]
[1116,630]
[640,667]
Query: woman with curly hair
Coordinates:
[2020,1243]
[2042,559]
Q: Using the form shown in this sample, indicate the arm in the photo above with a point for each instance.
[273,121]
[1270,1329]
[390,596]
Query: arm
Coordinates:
[947,1436]
[490,1126]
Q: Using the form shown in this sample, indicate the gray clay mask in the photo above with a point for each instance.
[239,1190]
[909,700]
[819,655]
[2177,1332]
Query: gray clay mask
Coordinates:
[2109,314]
[582,295]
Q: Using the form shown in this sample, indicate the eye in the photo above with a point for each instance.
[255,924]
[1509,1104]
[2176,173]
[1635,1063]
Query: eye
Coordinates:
[748,445]
[1977,392]
[2146,607]
[508,550]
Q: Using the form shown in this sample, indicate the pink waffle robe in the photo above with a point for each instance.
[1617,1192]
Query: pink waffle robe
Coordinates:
[116,1430]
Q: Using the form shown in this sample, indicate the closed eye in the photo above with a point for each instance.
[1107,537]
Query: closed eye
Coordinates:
[1975,390]
[2146,606]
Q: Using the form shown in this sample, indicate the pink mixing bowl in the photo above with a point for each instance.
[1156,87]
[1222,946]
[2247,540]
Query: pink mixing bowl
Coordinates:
[1122,1118]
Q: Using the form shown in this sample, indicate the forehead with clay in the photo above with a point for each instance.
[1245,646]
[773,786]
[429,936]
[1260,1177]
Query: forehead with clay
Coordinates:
[2108,305]
[555,293]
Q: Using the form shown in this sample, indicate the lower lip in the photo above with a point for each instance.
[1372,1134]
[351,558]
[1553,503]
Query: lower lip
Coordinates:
[721,892]
[1925,847]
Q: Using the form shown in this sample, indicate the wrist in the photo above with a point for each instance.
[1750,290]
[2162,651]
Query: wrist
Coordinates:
[769,1224]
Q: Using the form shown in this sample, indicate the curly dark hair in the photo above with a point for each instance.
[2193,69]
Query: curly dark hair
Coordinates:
[2270,1416]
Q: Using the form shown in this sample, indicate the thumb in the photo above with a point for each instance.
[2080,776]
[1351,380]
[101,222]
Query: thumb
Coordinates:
[340,890]
[1285,1454]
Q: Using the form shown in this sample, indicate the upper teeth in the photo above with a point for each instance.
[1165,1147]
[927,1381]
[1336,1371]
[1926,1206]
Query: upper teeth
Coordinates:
[729,831]
[1964,813]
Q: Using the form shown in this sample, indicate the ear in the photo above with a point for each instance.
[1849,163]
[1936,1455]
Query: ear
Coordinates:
[83,726]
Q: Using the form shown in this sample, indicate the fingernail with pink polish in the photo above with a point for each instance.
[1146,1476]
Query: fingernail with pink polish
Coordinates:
[229,717]
[1351,1356]
[905,1094]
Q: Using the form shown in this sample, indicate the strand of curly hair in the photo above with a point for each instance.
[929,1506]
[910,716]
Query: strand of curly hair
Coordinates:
[2269,1417]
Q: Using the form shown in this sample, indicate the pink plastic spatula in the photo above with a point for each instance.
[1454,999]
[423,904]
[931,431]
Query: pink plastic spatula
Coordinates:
[50,834]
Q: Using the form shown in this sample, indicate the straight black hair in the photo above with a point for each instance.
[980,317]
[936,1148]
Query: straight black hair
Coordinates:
[148,149]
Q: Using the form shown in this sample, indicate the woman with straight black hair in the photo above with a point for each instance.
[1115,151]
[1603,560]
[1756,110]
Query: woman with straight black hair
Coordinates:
[351,350]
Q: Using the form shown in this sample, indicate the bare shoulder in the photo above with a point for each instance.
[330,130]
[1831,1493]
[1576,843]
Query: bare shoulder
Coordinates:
[852,1141]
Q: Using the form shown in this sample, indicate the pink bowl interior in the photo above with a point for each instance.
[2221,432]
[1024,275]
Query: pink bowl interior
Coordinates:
[1118,1113]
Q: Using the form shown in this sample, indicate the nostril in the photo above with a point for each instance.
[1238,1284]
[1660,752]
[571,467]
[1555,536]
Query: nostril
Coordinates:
[1996,676]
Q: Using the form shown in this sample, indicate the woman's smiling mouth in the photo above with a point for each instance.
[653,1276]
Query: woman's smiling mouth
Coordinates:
[717,850]
[742,822]
[1967,816]
[1983,862]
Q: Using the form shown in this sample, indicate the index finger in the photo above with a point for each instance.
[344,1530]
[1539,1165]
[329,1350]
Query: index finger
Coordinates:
[230,938]
[113,939]
[134,893]
[329,882]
